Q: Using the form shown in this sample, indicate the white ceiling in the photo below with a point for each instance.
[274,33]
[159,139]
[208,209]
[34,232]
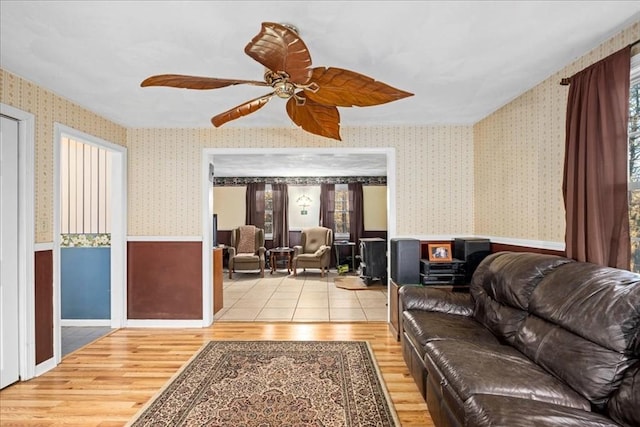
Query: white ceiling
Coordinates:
[461,59]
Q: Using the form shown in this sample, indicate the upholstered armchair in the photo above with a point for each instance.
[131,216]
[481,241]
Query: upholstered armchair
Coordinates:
[247,250]
[314,250]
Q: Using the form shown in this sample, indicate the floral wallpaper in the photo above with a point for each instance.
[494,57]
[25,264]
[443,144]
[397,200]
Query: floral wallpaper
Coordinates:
[300,180]
[519,157]
[434,173]
[49,108]
[85,240]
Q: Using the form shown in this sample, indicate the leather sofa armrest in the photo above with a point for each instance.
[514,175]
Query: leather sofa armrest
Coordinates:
[297,250]
[261,252]
[433,299]
[232,251]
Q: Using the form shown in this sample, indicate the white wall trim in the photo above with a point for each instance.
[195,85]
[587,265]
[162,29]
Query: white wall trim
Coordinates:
[164,238]
[85,322]
[164,323]
[45,366]
[208,154]
[40,247]
[206,207]
[26,238]
[537,244]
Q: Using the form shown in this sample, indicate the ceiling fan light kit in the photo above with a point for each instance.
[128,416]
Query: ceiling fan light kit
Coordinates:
[312,94]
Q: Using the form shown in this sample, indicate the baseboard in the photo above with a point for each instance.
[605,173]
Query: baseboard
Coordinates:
[85,322]
[44,367]
[162,323]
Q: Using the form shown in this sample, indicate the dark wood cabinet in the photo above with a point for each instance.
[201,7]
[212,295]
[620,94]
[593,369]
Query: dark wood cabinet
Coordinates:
[394,310]
[217,279]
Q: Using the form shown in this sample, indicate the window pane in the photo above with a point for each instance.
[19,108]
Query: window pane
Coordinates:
[341,214]
[268,212]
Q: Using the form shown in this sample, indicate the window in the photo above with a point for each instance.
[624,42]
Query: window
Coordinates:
[268,212]
[341,212]
[634,163]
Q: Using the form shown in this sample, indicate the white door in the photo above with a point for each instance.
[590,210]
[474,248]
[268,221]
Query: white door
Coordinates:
[9,350]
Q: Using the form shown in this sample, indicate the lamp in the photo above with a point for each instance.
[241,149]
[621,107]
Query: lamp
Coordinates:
[304,202]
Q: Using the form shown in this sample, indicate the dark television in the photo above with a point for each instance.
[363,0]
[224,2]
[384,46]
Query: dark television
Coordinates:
[214,230]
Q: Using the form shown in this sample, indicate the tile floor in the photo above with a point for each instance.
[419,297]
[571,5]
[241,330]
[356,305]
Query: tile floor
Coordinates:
[280,297]
[74,337]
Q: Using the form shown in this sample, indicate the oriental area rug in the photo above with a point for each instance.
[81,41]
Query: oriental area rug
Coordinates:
[274,384]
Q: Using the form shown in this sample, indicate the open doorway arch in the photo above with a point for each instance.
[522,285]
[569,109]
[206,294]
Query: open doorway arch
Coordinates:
[208,204]
[118,268]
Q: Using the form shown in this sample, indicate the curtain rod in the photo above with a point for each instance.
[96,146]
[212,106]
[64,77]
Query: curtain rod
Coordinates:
[566,81]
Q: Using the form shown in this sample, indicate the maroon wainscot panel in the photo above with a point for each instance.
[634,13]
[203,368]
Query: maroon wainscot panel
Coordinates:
[43,267]
[164,280]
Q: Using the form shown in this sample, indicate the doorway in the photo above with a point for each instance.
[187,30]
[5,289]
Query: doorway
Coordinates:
[91,229]
[235,158]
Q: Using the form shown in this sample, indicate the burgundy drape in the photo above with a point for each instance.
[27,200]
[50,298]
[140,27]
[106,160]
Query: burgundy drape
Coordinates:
[356,212]
[255,204]
[327,205]
[280,217]
[595,169]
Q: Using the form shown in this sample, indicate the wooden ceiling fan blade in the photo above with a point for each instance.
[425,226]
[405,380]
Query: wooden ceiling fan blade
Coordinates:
[195,82]
[323,120]
[241,110]
[280,49]
[345,88]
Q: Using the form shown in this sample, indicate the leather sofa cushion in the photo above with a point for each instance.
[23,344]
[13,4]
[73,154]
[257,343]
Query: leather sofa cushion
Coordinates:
[484,410]
[502,286]
[624,405]
[422,327]
[479,368]
[561,338]
[590,369]
[610,296]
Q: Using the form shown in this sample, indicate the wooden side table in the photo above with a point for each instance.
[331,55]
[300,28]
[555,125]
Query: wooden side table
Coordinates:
[280,254]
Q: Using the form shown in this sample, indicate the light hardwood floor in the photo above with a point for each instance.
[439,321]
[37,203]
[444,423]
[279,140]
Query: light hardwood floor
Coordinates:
[108,381]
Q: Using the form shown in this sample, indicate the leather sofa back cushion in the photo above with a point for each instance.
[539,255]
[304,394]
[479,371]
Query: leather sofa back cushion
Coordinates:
[603,343]
[502,286]
[590,369]
[624,405]
[611,297]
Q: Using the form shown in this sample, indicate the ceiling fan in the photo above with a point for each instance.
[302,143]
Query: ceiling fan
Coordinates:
[313,93]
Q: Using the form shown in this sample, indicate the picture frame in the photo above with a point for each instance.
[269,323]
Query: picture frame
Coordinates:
[440,252]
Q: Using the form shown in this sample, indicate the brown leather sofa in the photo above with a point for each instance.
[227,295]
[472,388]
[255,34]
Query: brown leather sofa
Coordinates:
[540,340]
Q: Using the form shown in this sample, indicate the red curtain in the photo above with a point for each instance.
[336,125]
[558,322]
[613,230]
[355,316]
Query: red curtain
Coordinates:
[255,204]
[356,212]
[327,205]
[595,167]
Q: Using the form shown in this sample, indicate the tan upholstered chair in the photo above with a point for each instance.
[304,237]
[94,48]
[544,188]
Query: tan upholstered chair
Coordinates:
[247,250]
[314,250]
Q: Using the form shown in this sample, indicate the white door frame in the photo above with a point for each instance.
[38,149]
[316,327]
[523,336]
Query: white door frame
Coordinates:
[207,157]
[26,227]
[118,230]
